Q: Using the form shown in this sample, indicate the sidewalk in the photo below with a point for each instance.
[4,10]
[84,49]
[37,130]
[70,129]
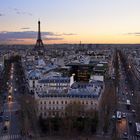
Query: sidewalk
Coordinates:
[76,138]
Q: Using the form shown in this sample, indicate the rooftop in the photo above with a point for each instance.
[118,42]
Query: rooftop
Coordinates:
[55,79]
[89,90]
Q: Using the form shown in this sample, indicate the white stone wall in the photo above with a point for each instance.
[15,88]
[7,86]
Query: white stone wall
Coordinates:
[58,105]
[33,84]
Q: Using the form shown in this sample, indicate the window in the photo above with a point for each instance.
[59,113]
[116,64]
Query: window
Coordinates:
[44,102]
[45,114]
[49,102]
[65,102]
[62,102]
[91,102]
[57,102]
[53,102]
[62,114]
[41,102]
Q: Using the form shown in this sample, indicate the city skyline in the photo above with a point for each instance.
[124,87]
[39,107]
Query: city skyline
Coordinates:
[89,21]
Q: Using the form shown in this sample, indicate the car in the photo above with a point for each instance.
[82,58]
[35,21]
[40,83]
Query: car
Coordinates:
[134,112]
[5,129]
[130,122]
[125,135]
[1,113]
[113,117]
[123,115]
[6,118]
[126,93]
[30,135]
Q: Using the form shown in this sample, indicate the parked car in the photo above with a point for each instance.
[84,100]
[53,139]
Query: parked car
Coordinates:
[5,129]
[1,113]
[6,118]
[123,115]
[130,122]
[125,135]
[134,112]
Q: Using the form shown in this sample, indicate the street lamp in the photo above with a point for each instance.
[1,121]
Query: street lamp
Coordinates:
[9,98]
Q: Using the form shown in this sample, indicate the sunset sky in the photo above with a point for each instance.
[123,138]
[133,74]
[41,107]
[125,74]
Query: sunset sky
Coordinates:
[70,21]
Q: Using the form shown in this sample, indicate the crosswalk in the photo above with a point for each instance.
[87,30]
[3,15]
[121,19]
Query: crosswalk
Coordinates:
[8,110]
[130,137]
[10,137]
[134,138]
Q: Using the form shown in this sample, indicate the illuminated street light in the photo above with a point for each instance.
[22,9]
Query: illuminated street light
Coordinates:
[11,76]
[129,67]
[9,98]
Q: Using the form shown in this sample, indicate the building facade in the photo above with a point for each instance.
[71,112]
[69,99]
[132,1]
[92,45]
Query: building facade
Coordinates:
[55,102]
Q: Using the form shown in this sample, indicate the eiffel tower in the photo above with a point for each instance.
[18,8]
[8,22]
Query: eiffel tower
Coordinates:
[39,47]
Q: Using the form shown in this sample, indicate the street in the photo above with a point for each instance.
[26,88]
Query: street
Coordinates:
[126,104]
[10,126]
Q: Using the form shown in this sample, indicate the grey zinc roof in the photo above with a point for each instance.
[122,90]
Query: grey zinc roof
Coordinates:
[34,74]
[55,79]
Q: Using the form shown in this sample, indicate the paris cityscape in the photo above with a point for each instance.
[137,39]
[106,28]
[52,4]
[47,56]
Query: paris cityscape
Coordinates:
[70,70]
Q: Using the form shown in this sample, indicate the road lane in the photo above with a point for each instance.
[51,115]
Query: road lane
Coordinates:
[10,107]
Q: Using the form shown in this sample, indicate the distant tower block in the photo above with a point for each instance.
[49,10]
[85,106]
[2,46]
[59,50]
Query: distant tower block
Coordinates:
[39,44]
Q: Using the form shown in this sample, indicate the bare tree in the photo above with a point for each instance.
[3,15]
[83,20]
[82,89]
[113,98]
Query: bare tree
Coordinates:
[29,120]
